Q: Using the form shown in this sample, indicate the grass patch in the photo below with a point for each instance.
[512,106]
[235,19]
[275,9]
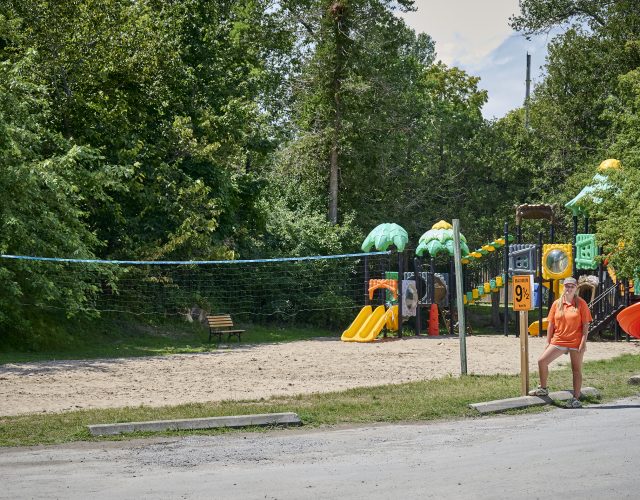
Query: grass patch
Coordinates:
[115,338]
[414,401]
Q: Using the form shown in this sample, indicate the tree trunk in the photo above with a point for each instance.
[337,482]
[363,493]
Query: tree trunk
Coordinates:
[495,311]
[338,12]
[333,183]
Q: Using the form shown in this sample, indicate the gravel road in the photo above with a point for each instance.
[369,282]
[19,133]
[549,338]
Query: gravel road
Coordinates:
[588,453]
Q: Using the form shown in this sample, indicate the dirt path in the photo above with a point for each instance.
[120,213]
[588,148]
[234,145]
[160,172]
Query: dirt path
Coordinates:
[259,371]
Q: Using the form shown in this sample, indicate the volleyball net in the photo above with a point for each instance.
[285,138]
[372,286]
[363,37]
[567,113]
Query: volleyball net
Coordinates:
[322,290]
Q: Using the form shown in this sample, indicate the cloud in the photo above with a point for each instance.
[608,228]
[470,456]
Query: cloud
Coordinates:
[464,30]
[475,36]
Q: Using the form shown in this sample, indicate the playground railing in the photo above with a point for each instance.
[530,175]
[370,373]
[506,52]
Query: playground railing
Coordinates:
[605,306]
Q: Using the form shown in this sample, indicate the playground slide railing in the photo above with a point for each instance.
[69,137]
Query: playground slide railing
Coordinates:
[605,307]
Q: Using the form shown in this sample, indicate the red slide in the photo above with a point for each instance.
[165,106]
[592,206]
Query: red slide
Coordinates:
[629,320]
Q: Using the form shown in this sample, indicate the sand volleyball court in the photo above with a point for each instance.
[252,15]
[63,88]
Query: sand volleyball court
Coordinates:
[260,371]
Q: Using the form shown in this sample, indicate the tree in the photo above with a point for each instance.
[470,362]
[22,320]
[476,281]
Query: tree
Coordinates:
[570,127]
[345,45]
[538,16]
[46,181]
[618,213]
[127,129]
[171,92]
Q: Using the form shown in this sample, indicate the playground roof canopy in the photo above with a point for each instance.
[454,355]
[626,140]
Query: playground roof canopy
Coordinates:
[385,235]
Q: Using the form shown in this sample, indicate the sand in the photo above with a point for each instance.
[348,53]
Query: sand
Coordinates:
[249,372]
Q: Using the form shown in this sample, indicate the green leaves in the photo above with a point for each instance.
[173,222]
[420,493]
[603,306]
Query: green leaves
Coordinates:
[47,184]
[585,111]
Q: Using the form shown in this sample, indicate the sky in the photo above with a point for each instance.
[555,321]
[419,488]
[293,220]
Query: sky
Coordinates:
[475,35]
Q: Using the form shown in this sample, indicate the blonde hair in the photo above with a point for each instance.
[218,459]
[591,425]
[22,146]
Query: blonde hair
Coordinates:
[560,305]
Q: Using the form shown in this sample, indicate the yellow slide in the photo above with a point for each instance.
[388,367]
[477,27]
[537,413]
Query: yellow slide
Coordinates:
[534,328]
[368,324]
[350,333]
[376,322]
[377,316]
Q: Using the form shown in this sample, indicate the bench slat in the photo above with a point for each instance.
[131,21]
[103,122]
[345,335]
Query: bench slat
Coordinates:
[221,323]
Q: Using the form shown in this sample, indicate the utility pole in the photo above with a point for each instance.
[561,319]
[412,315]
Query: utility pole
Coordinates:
[526,98]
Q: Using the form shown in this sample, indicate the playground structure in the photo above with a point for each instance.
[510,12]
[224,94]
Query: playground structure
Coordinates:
[430,289]
[420,291]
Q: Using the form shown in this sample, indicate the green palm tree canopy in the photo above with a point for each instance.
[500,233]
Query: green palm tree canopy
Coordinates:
[599,184]
[440,240]
[578,205]
[385,235]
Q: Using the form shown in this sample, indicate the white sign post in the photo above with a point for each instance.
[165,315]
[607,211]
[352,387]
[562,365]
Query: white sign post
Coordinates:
[459,293]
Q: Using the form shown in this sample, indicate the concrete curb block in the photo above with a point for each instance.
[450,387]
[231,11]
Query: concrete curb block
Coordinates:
[526,401]
[197,423]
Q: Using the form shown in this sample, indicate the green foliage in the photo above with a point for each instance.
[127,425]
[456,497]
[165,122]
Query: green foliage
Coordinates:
[354,103]
[538,16]
[302,230]
[618,213]
[194,129]
[572,120]
[410,131]
[46,181]
[137,82]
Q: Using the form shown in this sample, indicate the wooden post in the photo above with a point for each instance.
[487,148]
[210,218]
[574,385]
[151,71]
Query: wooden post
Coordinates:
[459,292]
[522,293]
[524,353]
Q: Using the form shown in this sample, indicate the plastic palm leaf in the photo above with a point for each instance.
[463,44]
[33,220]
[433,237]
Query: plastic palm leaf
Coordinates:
[429,235]
[434,247]
[382,241]
[446,235]
[385,235]
[400,242]
[368,243]
[449,246]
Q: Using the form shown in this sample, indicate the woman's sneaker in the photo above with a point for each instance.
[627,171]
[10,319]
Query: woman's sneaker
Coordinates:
[539,391]
[574,403]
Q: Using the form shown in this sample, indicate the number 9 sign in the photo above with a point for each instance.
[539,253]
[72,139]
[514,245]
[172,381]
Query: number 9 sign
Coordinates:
[522,286]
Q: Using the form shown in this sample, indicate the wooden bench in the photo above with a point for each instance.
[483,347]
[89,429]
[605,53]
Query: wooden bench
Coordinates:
[219,324]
